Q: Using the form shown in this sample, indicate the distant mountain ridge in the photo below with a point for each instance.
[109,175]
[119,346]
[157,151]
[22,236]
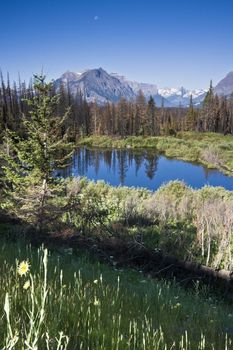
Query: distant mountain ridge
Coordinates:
[225,86]
[100,86]
[147,89]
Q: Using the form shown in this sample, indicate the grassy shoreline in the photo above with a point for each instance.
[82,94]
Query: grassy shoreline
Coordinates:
[215,151]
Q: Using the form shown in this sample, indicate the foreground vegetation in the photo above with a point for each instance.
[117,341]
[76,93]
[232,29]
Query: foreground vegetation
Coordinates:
[210,149]
[65,301]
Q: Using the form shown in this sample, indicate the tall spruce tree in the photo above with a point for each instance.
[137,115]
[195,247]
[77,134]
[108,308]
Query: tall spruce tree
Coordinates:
[206,120]
[31,191]
[191,117]
[152,127]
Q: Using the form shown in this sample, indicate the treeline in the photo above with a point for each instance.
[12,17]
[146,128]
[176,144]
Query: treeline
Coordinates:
[139,117]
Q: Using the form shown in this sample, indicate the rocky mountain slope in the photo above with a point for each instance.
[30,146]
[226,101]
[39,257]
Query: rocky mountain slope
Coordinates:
[147,89]
[225,86]
[96,85]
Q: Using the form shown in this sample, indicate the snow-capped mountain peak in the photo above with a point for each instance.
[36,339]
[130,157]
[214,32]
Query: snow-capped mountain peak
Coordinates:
[181,96]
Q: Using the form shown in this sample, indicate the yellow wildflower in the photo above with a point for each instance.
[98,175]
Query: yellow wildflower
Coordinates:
[23,268]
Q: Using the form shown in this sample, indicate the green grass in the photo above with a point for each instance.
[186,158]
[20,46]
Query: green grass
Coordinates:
[188,146]
[97,307]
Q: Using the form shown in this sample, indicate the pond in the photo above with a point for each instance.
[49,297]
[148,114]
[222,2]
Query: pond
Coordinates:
[141,168]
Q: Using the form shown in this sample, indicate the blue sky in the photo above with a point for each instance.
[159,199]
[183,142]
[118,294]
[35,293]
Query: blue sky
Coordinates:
[169,42]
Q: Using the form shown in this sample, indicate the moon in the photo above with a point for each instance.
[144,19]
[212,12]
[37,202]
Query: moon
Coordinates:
[96,18]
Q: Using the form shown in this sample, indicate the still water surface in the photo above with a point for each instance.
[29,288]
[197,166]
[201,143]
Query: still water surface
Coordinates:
[141,168]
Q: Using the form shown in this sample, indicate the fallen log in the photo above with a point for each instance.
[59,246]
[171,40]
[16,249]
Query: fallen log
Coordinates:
[122,253]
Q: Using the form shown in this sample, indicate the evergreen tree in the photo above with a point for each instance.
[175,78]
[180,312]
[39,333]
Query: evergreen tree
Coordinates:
[206,121]
[224,116]
[122,117]
[95,118]
[230,112]
[31,190]
[141,112]
[152,124]
[191,117]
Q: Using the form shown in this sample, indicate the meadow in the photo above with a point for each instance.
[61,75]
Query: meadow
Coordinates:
[66,300]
